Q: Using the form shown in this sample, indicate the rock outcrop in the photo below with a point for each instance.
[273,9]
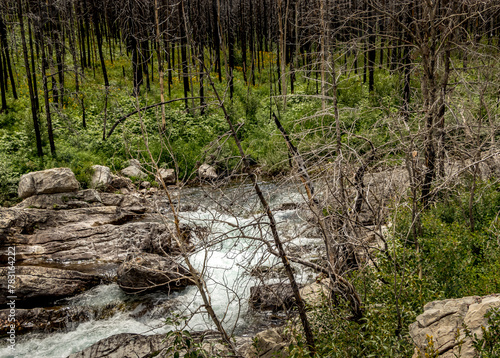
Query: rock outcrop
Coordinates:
[60,201]
[276,297]
[124,345]
[150,272]
[56,180]
[444,321]
[98,234]
[36,285]
[67,241]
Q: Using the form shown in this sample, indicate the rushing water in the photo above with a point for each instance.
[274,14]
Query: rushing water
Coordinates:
[229,245]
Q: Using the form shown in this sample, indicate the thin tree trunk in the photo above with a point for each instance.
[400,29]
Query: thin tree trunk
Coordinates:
[33,100]
[272,224]
[45,85]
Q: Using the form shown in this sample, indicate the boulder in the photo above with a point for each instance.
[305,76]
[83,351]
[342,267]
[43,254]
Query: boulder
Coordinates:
[56,180]
[150,272]
[130,345]
[96,234]
[314,294]
[167,175]
[133,172]
[145,185]
[36,285]
[266,344]
[118,182]
[444,321]
[164,243]
[134,163]
[101,177]
[276,297]
[124,345]
[207,172]
[79,199]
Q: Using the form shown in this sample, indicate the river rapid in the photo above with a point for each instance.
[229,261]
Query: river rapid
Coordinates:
[229,235]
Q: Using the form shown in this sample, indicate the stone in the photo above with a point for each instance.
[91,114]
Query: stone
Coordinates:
[99,235]
[130,345]
[133,172]
[37,285]
[44,320]
[118,182]
[164,243]
[276,297]
[207,172]
[145,185]
[444,322]
[167,175]
[314,294]
[56,180]
[59,201]
[266,344]
[101,177]
[124,345]
[151,272]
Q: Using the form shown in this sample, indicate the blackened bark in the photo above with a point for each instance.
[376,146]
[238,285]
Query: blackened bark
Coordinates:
[33,100]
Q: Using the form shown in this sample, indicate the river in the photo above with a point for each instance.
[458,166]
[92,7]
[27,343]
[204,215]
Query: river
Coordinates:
[229,244]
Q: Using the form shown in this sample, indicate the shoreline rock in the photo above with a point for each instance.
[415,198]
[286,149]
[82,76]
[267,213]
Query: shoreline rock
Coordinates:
[151,272]
[442,320]
[50,181]
[38,285]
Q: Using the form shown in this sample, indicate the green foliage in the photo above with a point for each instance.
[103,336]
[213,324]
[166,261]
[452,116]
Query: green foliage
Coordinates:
[181,341]
[455,262]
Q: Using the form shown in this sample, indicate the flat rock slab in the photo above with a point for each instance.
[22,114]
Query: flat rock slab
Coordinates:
[60,201]
[96,234]
[37,285]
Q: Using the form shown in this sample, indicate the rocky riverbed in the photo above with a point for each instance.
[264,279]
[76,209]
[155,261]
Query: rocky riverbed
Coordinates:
[93,263]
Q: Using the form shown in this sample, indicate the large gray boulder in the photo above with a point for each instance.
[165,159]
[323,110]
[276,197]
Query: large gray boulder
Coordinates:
[266,344]
[56,180]
[134,170]
[36,285]
[150,272]
[442,320]
[167,175]
[101,177]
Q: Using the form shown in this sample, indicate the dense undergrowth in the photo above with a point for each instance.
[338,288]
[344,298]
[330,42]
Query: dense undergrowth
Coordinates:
[189,135]
[456,262]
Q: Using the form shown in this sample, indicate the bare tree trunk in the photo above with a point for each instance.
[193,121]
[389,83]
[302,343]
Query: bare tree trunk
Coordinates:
[33,98]
[272,224]
[159,55]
